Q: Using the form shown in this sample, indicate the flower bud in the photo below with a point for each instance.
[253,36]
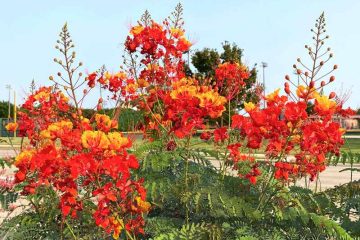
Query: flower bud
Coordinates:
[298,71]
[287,90]
[287,77]
[332,95]
[306,74]
[99,107]
[332,78]
[323,83]
[100,100]
[294,66]
[312,84]
[51,78]
[59,74]
[321,63]
[335,66]
[85,91]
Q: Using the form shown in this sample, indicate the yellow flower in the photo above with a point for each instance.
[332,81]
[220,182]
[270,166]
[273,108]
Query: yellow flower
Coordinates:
[303,92]
[94,139]
[46,134]
[249,106]
[11,127]
[152,67]
[143,206]
[131,87]
[211,99]
[271,97]
[25,155]
[117,141]
[182,90]
[324,103]
[121,75]
[136,30]
[119,223]
[177,32]
[43,95]
[56,128]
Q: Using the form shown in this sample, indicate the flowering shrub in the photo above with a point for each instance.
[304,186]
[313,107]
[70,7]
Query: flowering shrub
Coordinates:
[90,166]
[81,160]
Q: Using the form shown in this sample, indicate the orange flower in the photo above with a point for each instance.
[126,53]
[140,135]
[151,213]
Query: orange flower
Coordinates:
[136,30]
[94,139]
[11,127]
[104,123]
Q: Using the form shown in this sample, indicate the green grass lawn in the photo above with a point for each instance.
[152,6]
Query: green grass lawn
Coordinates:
[351,144]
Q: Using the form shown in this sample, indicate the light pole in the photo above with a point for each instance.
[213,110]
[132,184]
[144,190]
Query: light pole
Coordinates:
[8,86]
[264,65]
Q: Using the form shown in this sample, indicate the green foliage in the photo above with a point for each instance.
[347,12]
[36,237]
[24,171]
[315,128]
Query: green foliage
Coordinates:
[231,52]
[344,158]
[130,120]
[205,61]
[227,208]
[4,109]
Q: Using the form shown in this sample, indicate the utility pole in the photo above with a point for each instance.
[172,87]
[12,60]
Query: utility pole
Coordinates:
[15,111]
[264,65]
[8,86]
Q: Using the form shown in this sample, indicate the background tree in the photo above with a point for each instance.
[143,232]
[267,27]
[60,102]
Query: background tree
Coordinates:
[4,109]
[207,60]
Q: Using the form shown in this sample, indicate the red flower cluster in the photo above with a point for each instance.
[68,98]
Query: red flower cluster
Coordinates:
[230,78]
[65,149]
[289,128]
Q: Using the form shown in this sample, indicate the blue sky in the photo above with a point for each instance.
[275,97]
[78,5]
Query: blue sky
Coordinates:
[272,31]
